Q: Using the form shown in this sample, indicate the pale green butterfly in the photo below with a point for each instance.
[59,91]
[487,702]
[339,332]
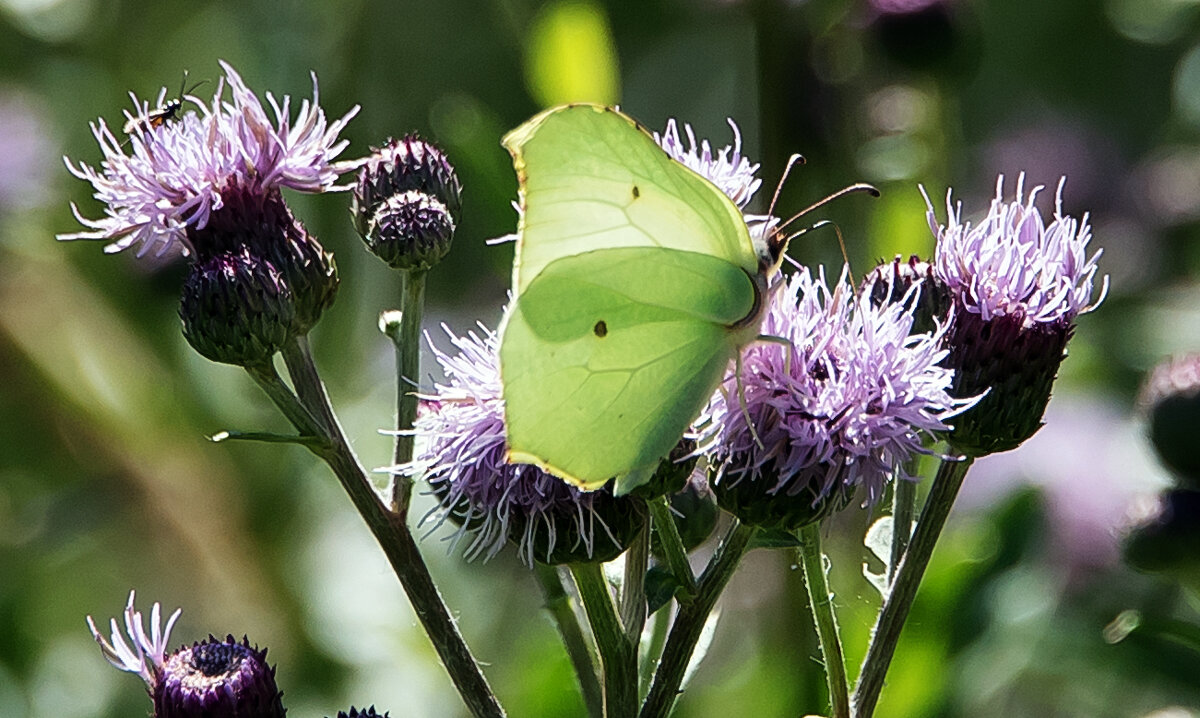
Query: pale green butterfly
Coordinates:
[635,283]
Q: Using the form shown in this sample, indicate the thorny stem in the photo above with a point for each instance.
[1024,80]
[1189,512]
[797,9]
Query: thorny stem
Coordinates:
[407,338]
[617,654]
[672,547]
[825,619]
[689,622]
[908,578]
[558,603]
[389,528]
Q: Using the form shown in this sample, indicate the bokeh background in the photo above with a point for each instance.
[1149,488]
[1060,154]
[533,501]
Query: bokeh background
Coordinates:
[107,480]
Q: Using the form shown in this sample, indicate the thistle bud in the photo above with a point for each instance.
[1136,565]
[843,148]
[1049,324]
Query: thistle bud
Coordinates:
[890,282]
[364,713]
[1171,400]
[209,679]
[264,228]
[236,309]
[1169,540]
[218,679]
[406,203]
[410,231]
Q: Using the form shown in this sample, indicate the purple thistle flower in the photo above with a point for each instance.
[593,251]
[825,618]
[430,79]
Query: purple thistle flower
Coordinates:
[178,173]
[1012,264]
[209,679]
[852,402]
[218,679]
[732,173]
[1016,285]
[463,457]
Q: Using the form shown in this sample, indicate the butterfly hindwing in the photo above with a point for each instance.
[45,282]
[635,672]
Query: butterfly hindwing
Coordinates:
[609,355]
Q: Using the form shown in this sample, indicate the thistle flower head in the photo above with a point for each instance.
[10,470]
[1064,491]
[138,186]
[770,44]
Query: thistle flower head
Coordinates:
[144,654]
[176,174]
[463,457]
[218,679]
[732,173]
[209,679]
[1013,264]
[843,407]
[1017,284]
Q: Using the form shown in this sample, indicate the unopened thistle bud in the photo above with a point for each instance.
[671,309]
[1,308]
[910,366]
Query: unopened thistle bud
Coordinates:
[1169,540]
[1017,285]
[1171,400]
[364,713]
[236,309]
[406,203]
[890,282]
[411,230]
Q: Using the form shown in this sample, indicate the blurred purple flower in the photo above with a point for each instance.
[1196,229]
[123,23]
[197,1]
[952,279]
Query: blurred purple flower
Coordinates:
[845,406]
[177,173]
[462,453]
[25,142]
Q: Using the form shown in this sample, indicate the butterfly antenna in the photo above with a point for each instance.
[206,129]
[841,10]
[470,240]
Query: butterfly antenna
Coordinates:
[741,392]
[794,160]
[779,242]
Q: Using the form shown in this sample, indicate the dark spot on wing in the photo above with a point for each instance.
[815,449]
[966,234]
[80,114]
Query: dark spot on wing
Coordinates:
[601,329]
[636,192]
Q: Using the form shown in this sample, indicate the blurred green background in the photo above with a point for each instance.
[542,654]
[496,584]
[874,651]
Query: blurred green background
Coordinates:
[107,481]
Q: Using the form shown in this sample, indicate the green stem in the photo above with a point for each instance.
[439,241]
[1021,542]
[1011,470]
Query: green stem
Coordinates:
[904,504]
[617,654]
[908,578]
[654,648]
[389,528]
[673,549]
[633,588]
[825,619]
[689,623]
[558,603]
[407,339]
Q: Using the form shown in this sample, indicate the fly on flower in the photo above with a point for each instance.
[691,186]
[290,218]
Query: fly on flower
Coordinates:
[168,110]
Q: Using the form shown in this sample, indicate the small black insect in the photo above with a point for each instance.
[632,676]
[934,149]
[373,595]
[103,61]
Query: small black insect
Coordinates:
[166,112]
[636,192]
[601,329]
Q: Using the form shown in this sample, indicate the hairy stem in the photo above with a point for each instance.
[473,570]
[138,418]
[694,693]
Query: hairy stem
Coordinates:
[825,619]
[407,338]
[617,655]
[904,504]
[673,549]
[390,530]
[689,622]
[558,603]
[908,578]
